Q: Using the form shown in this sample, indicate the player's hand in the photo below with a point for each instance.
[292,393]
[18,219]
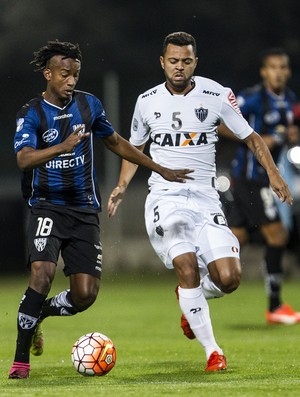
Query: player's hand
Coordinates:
[74,139]
[115,200]
[281,188]
[176,175]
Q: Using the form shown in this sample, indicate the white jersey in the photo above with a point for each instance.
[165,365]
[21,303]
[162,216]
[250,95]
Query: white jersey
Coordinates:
[183,128]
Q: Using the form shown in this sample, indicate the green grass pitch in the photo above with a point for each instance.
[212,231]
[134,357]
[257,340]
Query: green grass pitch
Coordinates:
[139,312]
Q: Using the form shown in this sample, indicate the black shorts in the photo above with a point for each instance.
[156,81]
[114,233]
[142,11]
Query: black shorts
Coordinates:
[253,205]
[76,235]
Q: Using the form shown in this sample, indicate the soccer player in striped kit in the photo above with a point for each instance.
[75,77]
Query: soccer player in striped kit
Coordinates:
[54,148]
[185,223]
[268,108]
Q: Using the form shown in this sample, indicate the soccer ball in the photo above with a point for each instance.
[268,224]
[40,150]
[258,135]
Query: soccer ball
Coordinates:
[93,354]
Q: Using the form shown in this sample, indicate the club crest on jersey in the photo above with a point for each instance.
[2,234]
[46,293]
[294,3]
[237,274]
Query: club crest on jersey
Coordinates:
[82,131]
[50,135]
[201,113]
[40,243]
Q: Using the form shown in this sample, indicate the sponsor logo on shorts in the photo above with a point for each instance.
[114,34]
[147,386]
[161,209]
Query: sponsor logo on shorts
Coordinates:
[99,259]
[40,243]
[234,249]
[219,219]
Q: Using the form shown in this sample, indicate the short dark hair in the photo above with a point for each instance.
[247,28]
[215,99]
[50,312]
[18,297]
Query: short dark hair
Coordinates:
[180,39]
[44,54]
[270,52]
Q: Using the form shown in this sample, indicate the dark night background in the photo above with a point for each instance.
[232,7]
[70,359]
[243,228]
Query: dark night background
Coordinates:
[125,37]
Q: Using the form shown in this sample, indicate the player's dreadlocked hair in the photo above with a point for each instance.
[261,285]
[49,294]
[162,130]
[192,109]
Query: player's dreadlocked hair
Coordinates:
[44,54]
[180,39]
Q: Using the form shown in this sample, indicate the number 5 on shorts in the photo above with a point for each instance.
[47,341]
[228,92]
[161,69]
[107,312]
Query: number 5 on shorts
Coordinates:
[156,214]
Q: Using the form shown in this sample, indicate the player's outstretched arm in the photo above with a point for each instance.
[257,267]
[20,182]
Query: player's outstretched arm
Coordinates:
[124,149]
[260,150]
[127,172]
[132,157]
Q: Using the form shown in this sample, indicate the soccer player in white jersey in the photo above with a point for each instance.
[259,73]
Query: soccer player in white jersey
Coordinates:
[185,223]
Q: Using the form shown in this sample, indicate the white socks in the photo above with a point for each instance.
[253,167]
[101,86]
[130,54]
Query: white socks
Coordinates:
[195,308]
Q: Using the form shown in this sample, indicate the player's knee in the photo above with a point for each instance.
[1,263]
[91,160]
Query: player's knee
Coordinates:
[188,277]
[279,240]
[187,271]
[84,299]
[230,281]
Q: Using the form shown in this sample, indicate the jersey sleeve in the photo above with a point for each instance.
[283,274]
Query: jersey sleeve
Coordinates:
[101,126]
[232,116]
[26,129]
[139,133]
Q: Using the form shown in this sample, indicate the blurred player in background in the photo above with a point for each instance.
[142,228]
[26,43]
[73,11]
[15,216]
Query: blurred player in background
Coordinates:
[185,223]
[54,149]
[268,108]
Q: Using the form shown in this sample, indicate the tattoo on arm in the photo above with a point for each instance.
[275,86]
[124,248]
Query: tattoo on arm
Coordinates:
[258,153]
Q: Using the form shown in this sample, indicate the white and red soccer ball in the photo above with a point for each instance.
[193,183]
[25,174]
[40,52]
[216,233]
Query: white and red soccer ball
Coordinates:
[93,354]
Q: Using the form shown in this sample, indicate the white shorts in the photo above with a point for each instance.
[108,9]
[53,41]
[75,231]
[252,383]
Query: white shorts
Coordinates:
[189,220]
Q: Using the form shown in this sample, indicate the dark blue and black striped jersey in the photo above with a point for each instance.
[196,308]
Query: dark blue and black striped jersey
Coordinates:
[268,114]
[70,178]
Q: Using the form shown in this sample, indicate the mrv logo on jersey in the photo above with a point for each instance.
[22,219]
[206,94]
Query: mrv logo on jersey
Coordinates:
[182,139]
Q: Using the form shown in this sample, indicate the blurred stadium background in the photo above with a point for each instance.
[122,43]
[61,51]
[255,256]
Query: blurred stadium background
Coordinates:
[121,43]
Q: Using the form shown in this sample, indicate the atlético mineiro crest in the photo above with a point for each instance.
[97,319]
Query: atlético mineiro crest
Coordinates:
[201,113]
[40,243]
